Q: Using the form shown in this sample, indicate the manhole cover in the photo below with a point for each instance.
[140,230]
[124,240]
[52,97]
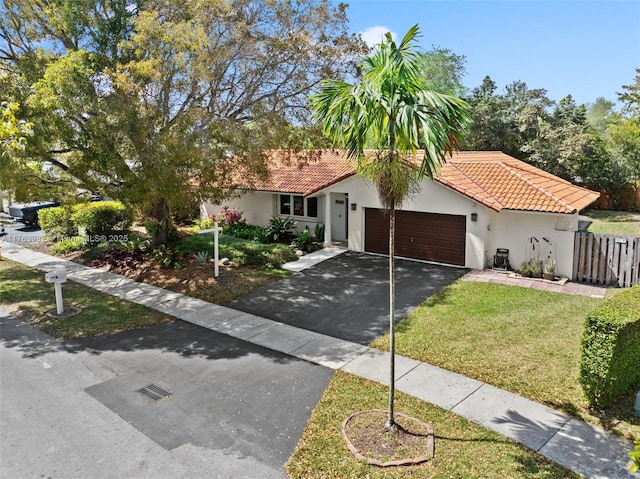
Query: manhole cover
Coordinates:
[154,393]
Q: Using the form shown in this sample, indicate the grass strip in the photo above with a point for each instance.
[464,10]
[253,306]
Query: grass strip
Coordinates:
[462,448]
[24,292]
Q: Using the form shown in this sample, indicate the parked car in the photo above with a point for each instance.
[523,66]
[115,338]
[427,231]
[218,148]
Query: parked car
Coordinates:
[27,213]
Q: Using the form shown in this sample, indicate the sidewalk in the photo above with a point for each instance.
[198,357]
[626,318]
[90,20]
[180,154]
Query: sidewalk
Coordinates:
[576,445]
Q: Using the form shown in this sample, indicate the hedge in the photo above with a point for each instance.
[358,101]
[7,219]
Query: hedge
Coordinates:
[610,361]
[56,223]
[102,218]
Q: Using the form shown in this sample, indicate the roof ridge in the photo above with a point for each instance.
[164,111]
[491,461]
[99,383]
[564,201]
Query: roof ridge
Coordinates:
[516,171]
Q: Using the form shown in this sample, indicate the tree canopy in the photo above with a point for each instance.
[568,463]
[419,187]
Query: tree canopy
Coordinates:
[161,103]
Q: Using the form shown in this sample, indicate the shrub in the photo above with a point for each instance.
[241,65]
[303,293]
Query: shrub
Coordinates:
[67,245]
[610,360]
[230,215]
[205,224]
[242,230]
[118,257]
[102,218]
[260,255]
[305,242]
[56,223]
[280,230]
[168,258]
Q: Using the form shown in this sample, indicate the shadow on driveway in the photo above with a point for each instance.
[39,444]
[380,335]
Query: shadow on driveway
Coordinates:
[347,296]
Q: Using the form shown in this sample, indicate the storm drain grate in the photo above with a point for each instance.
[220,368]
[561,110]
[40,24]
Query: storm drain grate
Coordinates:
[155,393]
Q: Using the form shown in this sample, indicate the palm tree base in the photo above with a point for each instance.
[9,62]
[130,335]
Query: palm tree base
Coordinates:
[407,441]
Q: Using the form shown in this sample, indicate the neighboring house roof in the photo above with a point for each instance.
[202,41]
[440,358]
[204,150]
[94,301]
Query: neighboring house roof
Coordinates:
[491,178]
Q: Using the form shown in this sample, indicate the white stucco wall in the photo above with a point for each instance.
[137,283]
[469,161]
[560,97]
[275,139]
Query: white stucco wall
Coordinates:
[258,207]
[492,230]
[432,198]
[513,230]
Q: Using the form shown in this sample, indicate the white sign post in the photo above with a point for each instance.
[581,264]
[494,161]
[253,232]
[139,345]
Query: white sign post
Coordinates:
[216,253]
[57,277]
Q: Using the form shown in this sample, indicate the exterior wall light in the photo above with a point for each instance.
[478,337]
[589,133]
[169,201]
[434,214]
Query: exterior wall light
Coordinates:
[474,217]
[354,206]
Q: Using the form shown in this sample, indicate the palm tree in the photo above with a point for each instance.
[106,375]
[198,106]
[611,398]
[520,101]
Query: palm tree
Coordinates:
[409,128]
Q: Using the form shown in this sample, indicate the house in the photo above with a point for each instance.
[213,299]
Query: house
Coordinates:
[478,202]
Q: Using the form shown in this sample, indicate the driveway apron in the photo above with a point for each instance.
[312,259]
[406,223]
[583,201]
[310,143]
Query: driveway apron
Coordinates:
[347,296]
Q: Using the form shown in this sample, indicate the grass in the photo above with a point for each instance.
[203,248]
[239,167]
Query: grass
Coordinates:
[523,340]
[463,449]
[613,222]
[24,292]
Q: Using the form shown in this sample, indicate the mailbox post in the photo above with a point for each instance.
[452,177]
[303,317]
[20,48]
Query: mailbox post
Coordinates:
[57,277]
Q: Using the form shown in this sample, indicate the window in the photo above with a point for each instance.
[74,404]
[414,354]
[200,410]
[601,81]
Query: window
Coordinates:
[301,206]
[285,205]
[298,206]
[312,207]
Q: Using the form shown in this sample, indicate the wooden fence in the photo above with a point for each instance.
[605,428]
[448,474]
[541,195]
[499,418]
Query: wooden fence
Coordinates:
[606,259]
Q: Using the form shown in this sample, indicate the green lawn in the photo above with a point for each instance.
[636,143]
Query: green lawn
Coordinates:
[523,340]
[462,448]
[24,292]
[613,222]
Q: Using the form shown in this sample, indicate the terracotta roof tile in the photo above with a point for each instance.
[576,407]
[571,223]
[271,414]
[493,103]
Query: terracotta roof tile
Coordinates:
[491,178]
[500,181]
[305,172]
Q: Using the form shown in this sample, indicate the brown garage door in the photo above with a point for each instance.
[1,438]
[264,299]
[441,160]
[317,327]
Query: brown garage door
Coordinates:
[427,236]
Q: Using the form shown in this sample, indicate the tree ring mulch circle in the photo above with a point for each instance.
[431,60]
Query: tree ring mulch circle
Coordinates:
[68,312]
[369,441]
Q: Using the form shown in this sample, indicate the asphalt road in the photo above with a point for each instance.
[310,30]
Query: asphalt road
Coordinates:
[74,410]
[21,234]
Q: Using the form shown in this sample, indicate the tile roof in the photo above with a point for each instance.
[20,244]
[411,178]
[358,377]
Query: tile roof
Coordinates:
[491,178]
[305,172]
[500,181]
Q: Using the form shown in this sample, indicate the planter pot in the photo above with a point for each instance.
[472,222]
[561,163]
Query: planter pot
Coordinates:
[548,276]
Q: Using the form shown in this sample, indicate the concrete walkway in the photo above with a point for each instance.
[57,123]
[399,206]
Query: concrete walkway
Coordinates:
[576,445]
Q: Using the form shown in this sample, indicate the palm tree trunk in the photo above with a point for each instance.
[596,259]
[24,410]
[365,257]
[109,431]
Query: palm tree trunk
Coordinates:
[391,423]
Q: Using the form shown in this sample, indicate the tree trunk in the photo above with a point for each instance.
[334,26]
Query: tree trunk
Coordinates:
[1,201]
[391,423]
[159,224]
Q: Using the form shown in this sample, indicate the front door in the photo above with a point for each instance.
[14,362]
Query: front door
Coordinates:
[339,216]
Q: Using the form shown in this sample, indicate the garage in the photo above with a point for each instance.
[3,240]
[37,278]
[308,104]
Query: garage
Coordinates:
[426,236]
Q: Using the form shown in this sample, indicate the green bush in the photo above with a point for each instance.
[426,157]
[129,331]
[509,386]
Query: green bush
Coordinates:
[102,218]
[68,245]
[280,230]
[56,223]
[256,254]
[242,230]
[610,362]
[305,241]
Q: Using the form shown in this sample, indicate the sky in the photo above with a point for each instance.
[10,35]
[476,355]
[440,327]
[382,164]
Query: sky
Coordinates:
[587,49]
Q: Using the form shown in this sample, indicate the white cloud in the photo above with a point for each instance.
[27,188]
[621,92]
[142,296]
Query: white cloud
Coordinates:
[374,35]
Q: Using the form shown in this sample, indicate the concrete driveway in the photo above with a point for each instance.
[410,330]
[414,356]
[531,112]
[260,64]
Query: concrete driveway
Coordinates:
[347,296]
[74,409]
